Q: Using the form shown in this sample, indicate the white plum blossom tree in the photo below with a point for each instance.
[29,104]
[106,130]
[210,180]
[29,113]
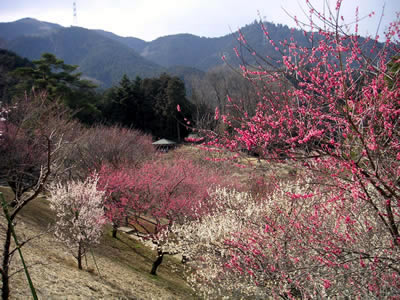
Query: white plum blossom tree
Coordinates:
[203,243]
[80,214]
[297,241]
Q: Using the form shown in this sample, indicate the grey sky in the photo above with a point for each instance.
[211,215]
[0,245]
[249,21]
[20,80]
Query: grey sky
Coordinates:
[149,19]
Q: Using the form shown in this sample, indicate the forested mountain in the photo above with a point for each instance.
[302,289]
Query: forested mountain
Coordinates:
[26,27]
[131,42]
[105,57]
[99,58]
[205,53]
[183,49]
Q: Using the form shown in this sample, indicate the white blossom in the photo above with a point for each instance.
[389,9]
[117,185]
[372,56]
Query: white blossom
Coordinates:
[79,213]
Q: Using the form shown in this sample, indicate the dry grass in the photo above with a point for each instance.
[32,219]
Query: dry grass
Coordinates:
[124,266]
[244,168]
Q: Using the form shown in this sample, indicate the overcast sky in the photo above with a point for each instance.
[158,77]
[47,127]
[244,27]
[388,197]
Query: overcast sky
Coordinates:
[149,19]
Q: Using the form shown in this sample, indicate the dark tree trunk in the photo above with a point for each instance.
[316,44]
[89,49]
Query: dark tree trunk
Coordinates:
[5,290]
[114,230]
[178,129]
[184,259]
[79,258]
[157,262]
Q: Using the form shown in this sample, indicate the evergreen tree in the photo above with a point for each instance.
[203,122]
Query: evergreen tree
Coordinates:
[149,105]
[10,61]
[60,81]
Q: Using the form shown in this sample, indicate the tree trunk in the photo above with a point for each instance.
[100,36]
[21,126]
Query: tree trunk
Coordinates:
[178,129]
[79,258]
[157,262]
[184,259]
[5,290]
[114,230]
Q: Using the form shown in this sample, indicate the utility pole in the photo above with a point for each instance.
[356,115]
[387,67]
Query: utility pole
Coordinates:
[75,23]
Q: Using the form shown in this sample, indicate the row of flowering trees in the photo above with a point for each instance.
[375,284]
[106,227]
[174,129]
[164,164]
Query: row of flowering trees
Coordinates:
[150,198]
[93,176]
[157,195]
[43,150]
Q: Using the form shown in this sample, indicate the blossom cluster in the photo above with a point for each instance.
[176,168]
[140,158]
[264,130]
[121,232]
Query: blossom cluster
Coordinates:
[298,241]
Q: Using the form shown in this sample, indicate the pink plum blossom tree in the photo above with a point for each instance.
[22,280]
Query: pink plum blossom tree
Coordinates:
[156,196]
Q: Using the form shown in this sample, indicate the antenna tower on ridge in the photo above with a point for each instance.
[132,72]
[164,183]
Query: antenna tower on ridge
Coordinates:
[75,23]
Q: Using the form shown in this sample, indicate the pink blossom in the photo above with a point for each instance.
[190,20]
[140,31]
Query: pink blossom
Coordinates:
[216,117]
[327,283]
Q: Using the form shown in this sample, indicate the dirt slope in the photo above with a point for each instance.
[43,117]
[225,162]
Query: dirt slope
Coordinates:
[124,266]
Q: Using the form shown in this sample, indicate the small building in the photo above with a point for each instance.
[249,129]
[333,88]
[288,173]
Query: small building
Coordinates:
[164,145]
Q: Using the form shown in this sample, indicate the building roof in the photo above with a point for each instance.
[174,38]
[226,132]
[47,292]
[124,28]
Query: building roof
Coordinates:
[164,142]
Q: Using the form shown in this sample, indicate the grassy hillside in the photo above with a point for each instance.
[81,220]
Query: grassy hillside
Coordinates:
[123,266]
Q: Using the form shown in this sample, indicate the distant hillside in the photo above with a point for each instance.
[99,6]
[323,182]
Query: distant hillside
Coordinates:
[3,43]
[106,57]
[205,53]
[180,49]
[99,57]
[131,42]
[25,27]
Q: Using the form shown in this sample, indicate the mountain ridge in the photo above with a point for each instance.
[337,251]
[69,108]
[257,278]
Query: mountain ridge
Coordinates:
[106,57]
[98,57]
[26,26]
